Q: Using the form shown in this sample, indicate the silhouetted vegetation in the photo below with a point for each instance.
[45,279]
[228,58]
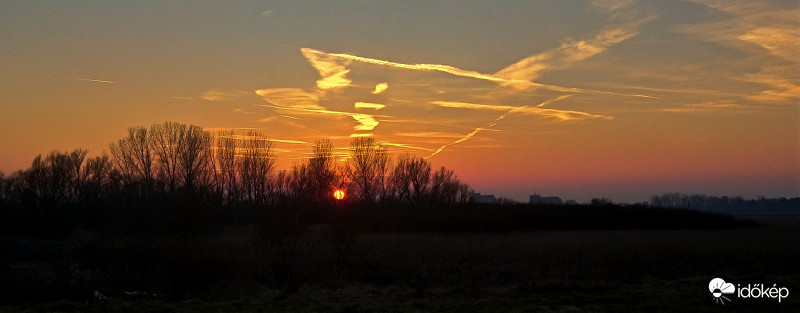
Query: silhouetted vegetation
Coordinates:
[178,213]
[729,205]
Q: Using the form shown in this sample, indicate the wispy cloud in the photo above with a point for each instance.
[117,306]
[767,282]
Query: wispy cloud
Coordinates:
[368,105]
[332,69]
[380,88]
[366,121]
[291,141]
[612,5]
[402,145]
[430,135]
[563,115]
[627,22]
[240,110]
[469,135]
[360,135]
[291,98]
[222,95]
[700,107]
[769,34]
[92,80]
[334,73]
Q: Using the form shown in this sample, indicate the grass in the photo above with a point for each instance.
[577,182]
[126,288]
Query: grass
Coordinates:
[525,271]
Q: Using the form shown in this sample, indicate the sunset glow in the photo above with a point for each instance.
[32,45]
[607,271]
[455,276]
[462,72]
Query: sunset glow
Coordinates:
[338,194]
[608,98]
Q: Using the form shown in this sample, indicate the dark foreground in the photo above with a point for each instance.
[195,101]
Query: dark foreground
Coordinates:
[327,270]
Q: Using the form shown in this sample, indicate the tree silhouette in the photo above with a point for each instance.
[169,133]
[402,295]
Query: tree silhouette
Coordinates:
[321,171]
[133,157]
[367,168]
[195,157]
[164,141]
[255,167]
[226,161]
[410,179]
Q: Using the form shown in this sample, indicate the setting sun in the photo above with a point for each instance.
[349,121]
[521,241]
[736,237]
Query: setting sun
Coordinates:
[338,194]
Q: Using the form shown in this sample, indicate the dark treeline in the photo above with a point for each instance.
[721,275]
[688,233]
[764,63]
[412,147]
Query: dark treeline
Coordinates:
[174,168]
[728,205]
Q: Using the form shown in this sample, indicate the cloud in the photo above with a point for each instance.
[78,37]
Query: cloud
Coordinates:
[563,115]
[267,13]
[334,73]
[329,62]
[627,21]
[367,105]
[380,88]
[430,135]
[469,135]
[366,121]
[534,66]
[700,107]
[361,135]
[768,34]
[559,114]
[332,70]
[216,95]
[612,5]
[92,80]
[240,110]
[291,98]
[402,145]
[783,42]
[291,141]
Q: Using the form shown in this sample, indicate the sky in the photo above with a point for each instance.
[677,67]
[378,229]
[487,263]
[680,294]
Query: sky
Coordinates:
[620,99]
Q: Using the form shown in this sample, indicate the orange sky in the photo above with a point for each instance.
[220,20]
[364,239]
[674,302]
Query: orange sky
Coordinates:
[611,98]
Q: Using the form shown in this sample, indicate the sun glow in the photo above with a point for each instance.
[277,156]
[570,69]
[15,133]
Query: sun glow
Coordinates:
[338,194]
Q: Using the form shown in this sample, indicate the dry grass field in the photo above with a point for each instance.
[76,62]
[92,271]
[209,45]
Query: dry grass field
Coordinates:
[528,271]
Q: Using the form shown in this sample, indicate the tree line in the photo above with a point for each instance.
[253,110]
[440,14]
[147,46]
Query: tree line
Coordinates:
[184,165]
[725,204]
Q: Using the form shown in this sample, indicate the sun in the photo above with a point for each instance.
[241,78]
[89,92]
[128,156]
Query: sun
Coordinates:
[338,194]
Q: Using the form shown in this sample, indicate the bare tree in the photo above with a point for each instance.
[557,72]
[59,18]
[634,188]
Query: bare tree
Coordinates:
[56,178]
[321,171]
[445,187]
[410,180]
[256,166]
[96,173]
[133,157]
[226,160]
[164,142]
[195,157]
[367,163]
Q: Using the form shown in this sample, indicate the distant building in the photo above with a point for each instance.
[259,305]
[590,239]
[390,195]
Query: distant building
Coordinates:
[485,199]
[537,199]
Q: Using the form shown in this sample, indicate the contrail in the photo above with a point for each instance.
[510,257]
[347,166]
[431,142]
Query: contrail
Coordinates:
[471,134]
[92,80]
[336,72]
[367,121]
[563,115]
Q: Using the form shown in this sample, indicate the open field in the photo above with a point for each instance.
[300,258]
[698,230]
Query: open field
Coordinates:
[547,271]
